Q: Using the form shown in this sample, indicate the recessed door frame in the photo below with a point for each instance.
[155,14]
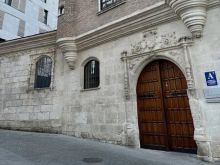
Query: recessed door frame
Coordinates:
[180,55]
[132,115]
[164,122]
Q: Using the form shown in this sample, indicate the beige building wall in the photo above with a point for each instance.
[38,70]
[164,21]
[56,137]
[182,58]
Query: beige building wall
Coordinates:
[22,106]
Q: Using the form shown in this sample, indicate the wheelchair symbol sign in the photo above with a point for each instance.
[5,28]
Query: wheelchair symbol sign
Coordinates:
[211,79]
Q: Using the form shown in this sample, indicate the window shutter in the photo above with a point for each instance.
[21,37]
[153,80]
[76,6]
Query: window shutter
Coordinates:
[1,18]
[41,15]
[21,28]
[15,4]
[22,5]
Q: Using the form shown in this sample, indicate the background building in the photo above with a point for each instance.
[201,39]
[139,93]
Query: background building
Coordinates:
[20,18]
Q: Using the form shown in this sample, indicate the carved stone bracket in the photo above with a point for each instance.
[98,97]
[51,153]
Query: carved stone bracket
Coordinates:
[69,50]
[192,12]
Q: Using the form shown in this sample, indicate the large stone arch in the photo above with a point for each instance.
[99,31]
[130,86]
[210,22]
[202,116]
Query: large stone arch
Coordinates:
[178,52]
[134,74]
[137,70]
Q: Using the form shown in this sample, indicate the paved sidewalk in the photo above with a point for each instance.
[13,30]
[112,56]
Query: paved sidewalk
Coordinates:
[25,148]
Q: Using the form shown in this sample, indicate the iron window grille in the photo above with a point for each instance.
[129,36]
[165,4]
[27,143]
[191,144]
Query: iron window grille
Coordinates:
[43,72]
[91,74]
[108,4]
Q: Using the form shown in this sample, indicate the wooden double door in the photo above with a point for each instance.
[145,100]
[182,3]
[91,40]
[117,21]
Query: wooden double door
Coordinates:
[164,116]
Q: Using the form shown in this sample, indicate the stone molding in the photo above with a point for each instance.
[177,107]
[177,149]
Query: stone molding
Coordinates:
[34,57]
[28,43]
[192,12]
[69,50]
[126,75]
[154,44]
[213,4]
[138,21]
[151,41]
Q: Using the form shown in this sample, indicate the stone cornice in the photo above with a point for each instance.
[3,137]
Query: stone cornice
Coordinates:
[140,20]
[30,42]
[213,3]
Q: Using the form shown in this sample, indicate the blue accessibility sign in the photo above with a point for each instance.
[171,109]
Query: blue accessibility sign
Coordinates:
[211,79]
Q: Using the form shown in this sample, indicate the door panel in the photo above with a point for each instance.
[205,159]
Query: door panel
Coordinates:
[150,108]
[164,115]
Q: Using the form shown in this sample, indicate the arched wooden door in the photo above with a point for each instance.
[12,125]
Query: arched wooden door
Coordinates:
[165,120]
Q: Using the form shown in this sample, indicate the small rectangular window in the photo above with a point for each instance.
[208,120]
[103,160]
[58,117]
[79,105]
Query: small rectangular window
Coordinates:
[8,2]
[61,10]
[45,16]
[45,1]
[105,5]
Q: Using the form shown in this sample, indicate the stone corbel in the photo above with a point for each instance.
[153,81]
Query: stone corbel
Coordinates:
[192,12]
[69,50]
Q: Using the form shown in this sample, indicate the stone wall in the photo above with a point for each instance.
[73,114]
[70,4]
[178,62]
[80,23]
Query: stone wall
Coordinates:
[98,113]
[21,106]
[105,114]
[206,57]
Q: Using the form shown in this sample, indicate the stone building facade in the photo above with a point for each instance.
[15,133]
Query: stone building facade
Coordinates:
[123,39]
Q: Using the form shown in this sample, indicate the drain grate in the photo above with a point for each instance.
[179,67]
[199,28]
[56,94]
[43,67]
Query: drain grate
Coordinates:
[92,160]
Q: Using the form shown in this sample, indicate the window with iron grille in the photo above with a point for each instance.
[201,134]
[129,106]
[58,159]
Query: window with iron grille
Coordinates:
[43,72]
[91,74]
[108,4]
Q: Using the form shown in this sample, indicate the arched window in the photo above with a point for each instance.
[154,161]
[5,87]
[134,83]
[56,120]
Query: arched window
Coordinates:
[43,72]
[91,74]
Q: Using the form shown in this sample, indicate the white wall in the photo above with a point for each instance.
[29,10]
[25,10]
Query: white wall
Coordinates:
[32,25]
